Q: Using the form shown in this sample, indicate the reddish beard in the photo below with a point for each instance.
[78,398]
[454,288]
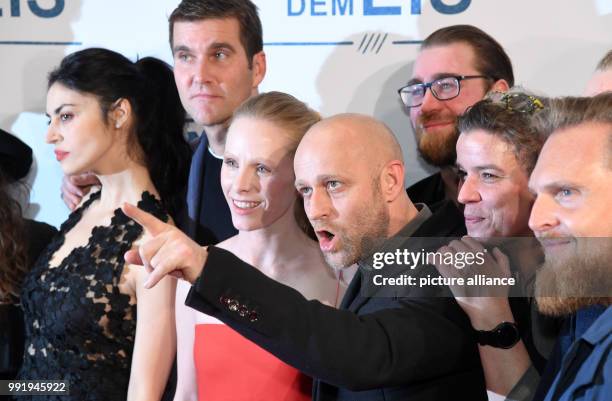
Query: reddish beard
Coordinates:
[437,148]
[576,280]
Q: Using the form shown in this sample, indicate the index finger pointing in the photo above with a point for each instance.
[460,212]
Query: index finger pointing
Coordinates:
[150,223]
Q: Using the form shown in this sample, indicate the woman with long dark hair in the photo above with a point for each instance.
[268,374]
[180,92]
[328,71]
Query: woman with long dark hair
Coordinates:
[89,320]
[21,241]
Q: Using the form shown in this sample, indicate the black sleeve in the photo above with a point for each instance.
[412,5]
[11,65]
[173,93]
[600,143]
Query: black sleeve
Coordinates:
[401,341]
[38,235]
[15,156]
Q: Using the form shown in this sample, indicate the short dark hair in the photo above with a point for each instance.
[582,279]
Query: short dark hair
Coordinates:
[491,58]
[244,11]
[517,128]
[606,62]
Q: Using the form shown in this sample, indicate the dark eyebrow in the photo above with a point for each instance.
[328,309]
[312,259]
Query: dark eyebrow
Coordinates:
[213,46]
[222,45]
[56,111]
[489,167]
[180,48]
[441,75]
[435,77]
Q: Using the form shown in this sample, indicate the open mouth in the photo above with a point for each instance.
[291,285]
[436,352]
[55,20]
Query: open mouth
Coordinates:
[326,240]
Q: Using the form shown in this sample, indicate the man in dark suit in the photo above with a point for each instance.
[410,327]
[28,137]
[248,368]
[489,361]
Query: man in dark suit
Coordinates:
[219,62]
[418,346]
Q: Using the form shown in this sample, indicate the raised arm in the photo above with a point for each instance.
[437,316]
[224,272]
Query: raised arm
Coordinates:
[398,341]
[394,341]
[487,308]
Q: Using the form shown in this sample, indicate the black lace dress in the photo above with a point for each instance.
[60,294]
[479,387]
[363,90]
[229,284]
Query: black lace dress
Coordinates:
[79,327]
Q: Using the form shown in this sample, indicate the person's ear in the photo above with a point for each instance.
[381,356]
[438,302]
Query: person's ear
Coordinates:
[258,67]
[501,85]
[120,113]
[392,180]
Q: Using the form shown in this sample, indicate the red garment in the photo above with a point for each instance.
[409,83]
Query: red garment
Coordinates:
[231,368]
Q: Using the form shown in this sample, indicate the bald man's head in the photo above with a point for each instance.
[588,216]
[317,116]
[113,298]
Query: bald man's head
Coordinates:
[349,171]
[365,138]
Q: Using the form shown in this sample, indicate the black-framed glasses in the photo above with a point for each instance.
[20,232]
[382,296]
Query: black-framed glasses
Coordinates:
[442,89]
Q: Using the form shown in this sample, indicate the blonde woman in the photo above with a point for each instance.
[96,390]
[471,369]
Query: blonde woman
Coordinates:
[258,182]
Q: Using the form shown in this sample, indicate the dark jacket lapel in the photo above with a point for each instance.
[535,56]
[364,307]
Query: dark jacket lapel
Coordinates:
[194,189]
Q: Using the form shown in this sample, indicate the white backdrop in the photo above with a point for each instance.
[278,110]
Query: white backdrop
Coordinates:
[337,55]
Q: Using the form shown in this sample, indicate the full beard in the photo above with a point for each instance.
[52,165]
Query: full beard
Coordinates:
[361,245]
[437,149]
[578,279]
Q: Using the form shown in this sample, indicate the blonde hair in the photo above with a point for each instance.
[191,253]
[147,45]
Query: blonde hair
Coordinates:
[284,110]
[568,112]
[295,118]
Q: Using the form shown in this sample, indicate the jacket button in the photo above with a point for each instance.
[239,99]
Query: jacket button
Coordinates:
[253,317]
[233,305]
[243,311]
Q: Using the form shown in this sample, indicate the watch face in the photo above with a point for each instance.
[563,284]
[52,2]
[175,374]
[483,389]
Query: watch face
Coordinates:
[506,335]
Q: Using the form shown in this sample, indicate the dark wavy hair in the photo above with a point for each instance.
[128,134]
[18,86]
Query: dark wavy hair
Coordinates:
[158,115]
[13,253]
[518,128]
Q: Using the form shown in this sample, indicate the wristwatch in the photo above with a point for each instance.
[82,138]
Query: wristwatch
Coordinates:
[505,336]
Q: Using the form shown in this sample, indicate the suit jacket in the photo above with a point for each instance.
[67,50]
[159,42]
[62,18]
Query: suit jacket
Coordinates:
[373,348]
[215,224]
[429,190]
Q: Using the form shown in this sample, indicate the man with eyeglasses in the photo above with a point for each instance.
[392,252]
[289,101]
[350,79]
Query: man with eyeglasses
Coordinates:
[456,66]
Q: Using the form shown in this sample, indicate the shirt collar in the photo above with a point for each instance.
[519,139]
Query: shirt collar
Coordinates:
[601,328]
[213,154]
[413,225]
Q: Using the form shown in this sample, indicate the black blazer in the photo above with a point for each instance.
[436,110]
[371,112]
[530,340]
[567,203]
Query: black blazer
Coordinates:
[412,348]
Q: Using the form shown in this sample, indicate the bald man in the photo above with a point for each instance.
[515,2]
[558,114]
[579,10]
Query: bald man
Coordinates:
[418,346]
